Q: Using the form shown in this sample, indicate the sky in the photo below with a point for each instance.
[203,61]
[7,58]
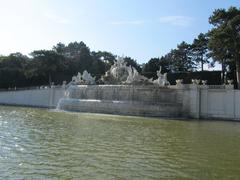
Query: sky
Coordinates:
[141,29]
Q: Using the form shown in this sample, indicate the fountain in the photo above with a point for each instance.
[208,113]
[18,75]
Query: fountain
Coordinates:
[129,94]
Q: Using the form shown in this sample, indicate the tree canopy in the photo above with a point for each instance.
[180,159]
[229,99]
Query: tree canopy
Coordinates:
[199,50]
[224,38]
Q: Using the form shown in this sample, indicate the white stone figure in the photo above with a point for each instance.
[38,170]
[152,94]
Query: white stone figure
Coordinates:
[79,77]
[119,70]
[230,82]
[134,77]
[130,75]
[52,85]
[123,74]
[64,84]
[87,78]
[179,82]
[159,71]
[204,82]
[196,81]
[74,80]
[162,78]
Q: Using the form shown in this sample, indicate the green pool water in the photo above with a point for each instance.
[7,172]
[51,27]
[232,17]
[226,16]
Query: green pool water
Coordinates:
[46,144]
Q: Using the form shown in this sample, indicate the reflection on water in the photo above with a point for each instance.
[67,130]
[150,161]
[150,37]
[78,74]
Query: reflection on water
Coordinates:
[42,144]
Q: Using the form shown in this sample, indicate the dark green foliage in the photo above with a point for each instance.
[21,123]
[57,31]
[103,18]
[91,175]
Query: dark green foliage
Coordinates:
[177,60]
[180,58]
[151,67]
[212,77]
[102,62]
[57,65]
[12,69]
[199,50]
[60,48]
[224,38]
[97,68]
[45,63]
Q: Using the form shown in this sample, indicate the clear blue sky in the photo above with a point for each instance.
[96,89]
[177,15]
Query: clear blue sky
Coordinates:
[137,28]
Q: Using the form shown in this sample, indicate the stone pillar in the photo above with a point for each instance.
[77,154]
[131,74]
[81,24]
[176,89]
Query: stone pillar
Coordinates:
[64,84]
[230,101]
[51,97]
[203,101]
[195,96]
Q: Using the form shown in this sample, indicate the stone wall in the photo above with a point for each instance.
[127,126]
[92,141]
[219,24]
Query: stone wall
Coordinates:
[220,103]
[47,98]
[210,102]
[196,101]
[144,94]
[123,99]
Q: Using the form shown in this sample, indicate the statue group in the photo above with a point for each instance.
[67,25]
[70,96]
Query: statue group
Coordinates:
[85,78]
[120,73]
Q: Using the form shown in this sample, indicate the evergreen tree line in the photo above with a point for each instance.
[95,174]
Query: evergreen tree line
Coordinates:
[56,65]
[220,44]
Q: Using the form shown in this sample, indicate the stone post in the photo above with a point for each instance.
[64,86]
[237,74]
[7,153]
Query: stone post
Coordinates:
[64,84]
[229,85]
[194,101]
[51,96]
[52,85]
[203,100]
[230,101]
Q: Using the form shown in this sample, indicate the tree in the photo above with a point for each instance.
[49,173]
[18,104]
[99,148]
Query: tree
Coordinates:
[199,50]
[12,70]
[219,53]
[224,38]
[151,67]
[97,68]
[60,48]
[180,58]
[102,62]
[74,49]
[46,63]
[106,57]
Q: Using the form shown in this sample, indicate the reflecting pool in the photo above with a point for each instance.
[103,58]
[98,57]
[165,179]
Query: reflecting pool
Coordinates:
[46,144]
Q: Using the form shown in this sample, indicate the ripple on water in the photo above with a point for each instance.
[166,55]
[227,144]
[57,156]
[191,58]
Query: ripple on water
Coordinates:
[41,144]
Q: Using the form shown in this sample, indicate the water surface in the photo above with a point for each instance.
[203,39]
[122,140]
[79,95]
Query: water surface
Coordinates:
[43,144]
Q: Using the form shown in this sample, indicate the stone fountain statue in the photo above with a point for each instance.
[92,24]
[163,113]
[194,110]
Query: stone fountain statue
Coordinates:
[120,73]
[124,92]
[135,78]
[119,70]
[162,78]
[85,78]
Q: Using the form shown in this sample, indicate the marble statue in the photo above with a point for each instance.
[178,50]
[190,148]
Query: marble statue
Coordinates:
[85,78]
[119,70]
[135,78]
[179,82]
[196,81]
[162,78]
[120,73]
